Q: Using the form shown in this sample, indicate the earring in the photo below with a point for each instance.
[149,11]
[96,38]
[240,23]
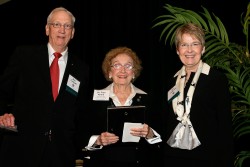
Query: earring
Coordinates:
[133,77]
[110,77]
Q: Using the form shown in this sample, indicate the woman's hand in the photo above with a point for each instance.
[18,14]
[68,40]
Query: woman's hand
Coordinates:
[145,131]
[106,138]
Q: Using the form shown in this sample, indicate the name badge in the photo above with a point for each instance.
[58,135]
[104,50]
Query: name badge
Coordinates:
[72,85]
[173,93]
[101,95]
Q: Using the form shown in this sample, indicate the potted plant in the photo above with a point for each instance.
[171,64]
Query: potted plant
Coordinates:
[233,59]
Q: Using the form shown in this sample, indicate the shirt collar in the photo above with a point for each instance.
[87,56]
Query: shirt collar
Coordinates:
[51,51]
[205,70]
[134,91]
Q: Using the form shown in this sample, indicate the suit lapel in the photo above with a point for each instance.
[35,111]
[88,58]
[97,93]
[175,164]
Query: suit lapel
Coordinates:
[43,65]
[68,71]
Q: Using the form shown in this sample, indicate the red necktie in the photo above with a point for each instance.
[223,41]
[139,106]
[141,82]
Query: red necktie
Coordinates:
[54,74]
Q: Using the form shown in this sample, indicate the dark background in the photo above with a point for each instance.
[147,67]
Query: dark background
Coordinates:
[105,24]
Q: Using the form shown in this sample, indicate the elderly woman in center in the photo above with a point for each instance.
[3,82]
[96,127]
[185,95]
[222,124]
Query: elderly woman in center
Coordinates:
[121,66]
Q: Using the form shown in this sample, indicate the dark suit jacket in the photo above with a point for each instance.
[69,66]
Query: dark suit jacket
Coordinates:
[26,81]
[212,121]
[121,154]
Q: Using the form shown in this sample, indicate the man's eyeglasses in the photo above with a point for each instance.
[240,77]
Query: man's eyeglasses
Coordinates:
[58,25]
[192,45]
[118,66]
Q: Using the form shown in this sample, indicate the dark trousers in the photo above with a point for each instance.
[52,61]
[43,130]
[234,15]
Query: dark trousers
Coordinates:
[50,157]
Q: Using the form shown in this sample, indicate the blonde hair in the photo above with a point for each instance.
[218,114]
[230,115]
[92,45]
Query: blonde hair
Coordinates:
[191,29]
